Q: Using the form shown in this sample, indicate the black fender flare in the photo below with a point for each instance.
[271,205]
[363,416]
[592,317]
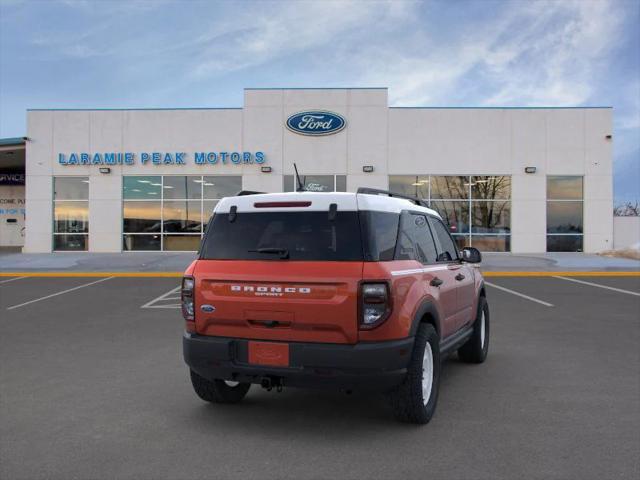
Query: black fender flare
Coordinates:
[482,292]
[426,307]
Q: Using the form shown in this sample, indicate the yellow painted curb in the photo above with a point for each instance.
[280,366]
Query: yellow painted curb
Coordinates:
[179,274]
[93,274]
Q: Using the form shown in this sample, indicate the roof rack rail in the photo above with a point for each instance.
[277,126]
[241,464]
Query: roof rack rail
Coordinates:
[375,191]
[242,193]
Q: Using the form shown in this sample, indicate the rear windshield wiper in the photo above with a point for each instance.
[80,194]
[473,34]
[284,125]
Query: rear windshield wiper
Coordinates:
[283,252]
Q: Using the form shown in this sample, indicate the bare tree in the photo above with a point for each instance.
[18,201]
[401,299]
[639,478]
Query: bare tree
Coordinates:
[489,214]
[628,209]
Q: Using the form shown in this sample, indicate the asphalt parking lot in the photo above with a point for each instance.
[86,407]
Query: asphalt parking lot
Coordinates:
[93,386]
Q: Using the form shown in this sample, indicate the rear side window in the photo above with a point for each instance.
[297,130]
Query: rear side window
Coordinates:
[379,232]
[415,241]
[447,251]
[309,236]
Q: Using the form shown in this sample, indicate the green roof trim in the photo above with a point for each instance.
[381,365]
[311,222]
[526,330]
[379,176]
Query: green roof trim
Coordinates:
[317,88]
[504,108]
[126,109]
[12,141]
[242,108]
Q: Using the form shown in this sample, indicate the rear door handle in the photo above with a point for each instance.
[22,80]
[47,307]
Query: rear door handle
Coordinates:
[436,282]
[459,277]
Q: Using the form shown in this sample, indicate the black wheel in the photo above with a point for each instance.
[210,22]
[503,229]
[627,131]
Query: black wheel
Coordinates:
[476,348]
[218,391]
[415,399]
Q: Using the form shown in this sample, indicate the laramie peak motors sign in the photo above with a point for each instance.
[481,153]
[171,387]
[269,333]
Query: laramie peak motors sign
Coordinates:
[161,158]
[316,122]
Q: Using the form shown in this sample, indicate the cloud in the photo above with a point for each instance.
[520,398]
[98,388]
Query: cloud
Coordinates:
[555,61]
[223,37]
[436,53]
[94,29]
[537,53]
[630,119]
[525,53]
[271,31]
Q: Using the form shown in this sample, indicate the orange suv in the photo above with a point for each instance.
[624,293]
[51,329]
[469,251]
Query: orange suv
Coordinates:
[361,290]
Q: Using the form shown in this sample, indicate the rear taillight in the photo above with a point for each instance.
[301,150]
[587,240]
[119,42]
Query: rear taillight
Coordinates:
[186,295]
[375,304]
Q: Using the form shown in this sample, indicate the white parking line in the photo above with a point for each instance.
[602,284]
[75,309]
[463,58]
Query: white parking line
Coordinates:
[628,292]
[513,292]
[164,297]
[59,293]
[11,280]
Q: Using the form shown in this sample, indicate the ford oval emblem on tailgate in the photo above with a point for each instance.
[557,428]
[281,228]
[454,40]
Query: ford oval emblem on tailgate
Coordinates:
[208,308]
[316,122]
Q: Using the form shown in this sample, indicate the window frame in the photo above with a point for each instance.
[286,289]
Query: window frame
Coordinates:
[55,200]
[335,176]
[162,233]
[405,214]
[439,247]
[467,235]
[549,200]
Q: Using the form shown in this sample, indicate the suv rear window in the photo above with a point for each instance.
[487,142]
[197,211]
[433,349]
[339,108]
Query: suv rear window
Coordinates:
[379,231]
[415,242]
[448,248]
[309,236]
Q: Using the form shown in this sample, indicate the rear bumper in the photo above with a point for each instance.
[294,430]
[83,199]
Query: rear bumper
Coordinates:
[370,366]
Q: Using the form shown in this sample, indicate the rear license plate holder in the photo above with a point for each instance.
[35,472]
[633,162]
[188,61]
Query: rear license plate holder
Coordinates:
[269,354]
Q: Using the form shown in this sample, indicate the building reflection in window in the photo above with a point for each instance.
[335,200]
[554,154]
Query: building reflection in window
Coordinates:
[476,208]
[170,212]
[316,183]
[564,213]
[70,213]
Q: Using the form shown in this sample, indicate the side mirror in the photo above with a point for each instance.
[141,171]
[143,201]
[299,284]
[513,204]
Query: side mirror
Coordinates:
[471,255]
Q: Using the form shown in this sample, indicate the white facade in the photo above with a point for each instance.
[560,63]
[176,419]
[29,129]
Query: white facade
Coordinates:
[626,231]
[394,141]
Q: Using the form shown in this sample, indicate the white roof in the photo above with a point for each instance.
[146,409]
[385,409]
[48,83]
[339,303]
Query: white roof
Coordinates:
[320,201]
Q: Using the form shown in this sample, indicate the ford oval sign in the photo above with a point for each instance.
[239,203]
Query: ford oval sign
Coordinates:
[316,122]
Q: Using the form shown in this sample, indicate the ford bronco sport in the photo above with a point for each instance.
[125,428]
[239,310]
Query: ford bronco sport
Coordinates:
[343,290]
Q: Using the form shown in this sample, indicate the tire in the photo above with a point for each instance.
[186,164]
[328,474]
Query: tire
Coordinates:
[477,347]
[408,399]
[218,391]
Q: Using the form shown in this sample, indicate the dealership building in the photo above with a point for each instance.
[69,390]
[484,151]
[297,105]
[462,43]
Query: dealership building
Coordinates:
[524,180]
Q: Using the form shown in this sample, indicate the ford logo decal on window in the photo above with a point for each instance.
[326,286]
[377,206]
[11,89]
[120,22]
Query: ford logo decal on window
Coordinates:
[316,122]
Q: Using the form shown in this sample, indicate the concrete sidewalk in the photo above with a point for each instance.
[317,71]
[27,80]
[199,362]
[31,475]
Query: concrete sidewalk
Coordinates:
[95,262]
[556,262]
[177,262]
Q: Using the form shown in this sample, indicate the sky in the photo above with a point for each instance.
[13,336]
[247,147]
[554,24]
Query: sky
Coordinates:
[156,53]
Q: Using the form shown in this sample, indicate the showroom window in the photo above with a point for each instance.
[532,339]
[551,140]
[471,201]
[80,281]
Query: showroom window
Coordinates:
[70,213]
[170,212]
[477,209]
[564,214]
[316,183]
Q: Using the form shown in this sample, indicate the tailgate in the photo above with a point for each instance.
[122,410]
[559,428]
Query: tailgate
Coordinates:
[300,301]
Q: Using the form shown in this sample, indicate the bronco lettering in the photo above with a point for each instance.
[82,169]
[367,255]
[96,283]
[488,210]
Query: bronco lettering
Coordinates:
[265,289]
